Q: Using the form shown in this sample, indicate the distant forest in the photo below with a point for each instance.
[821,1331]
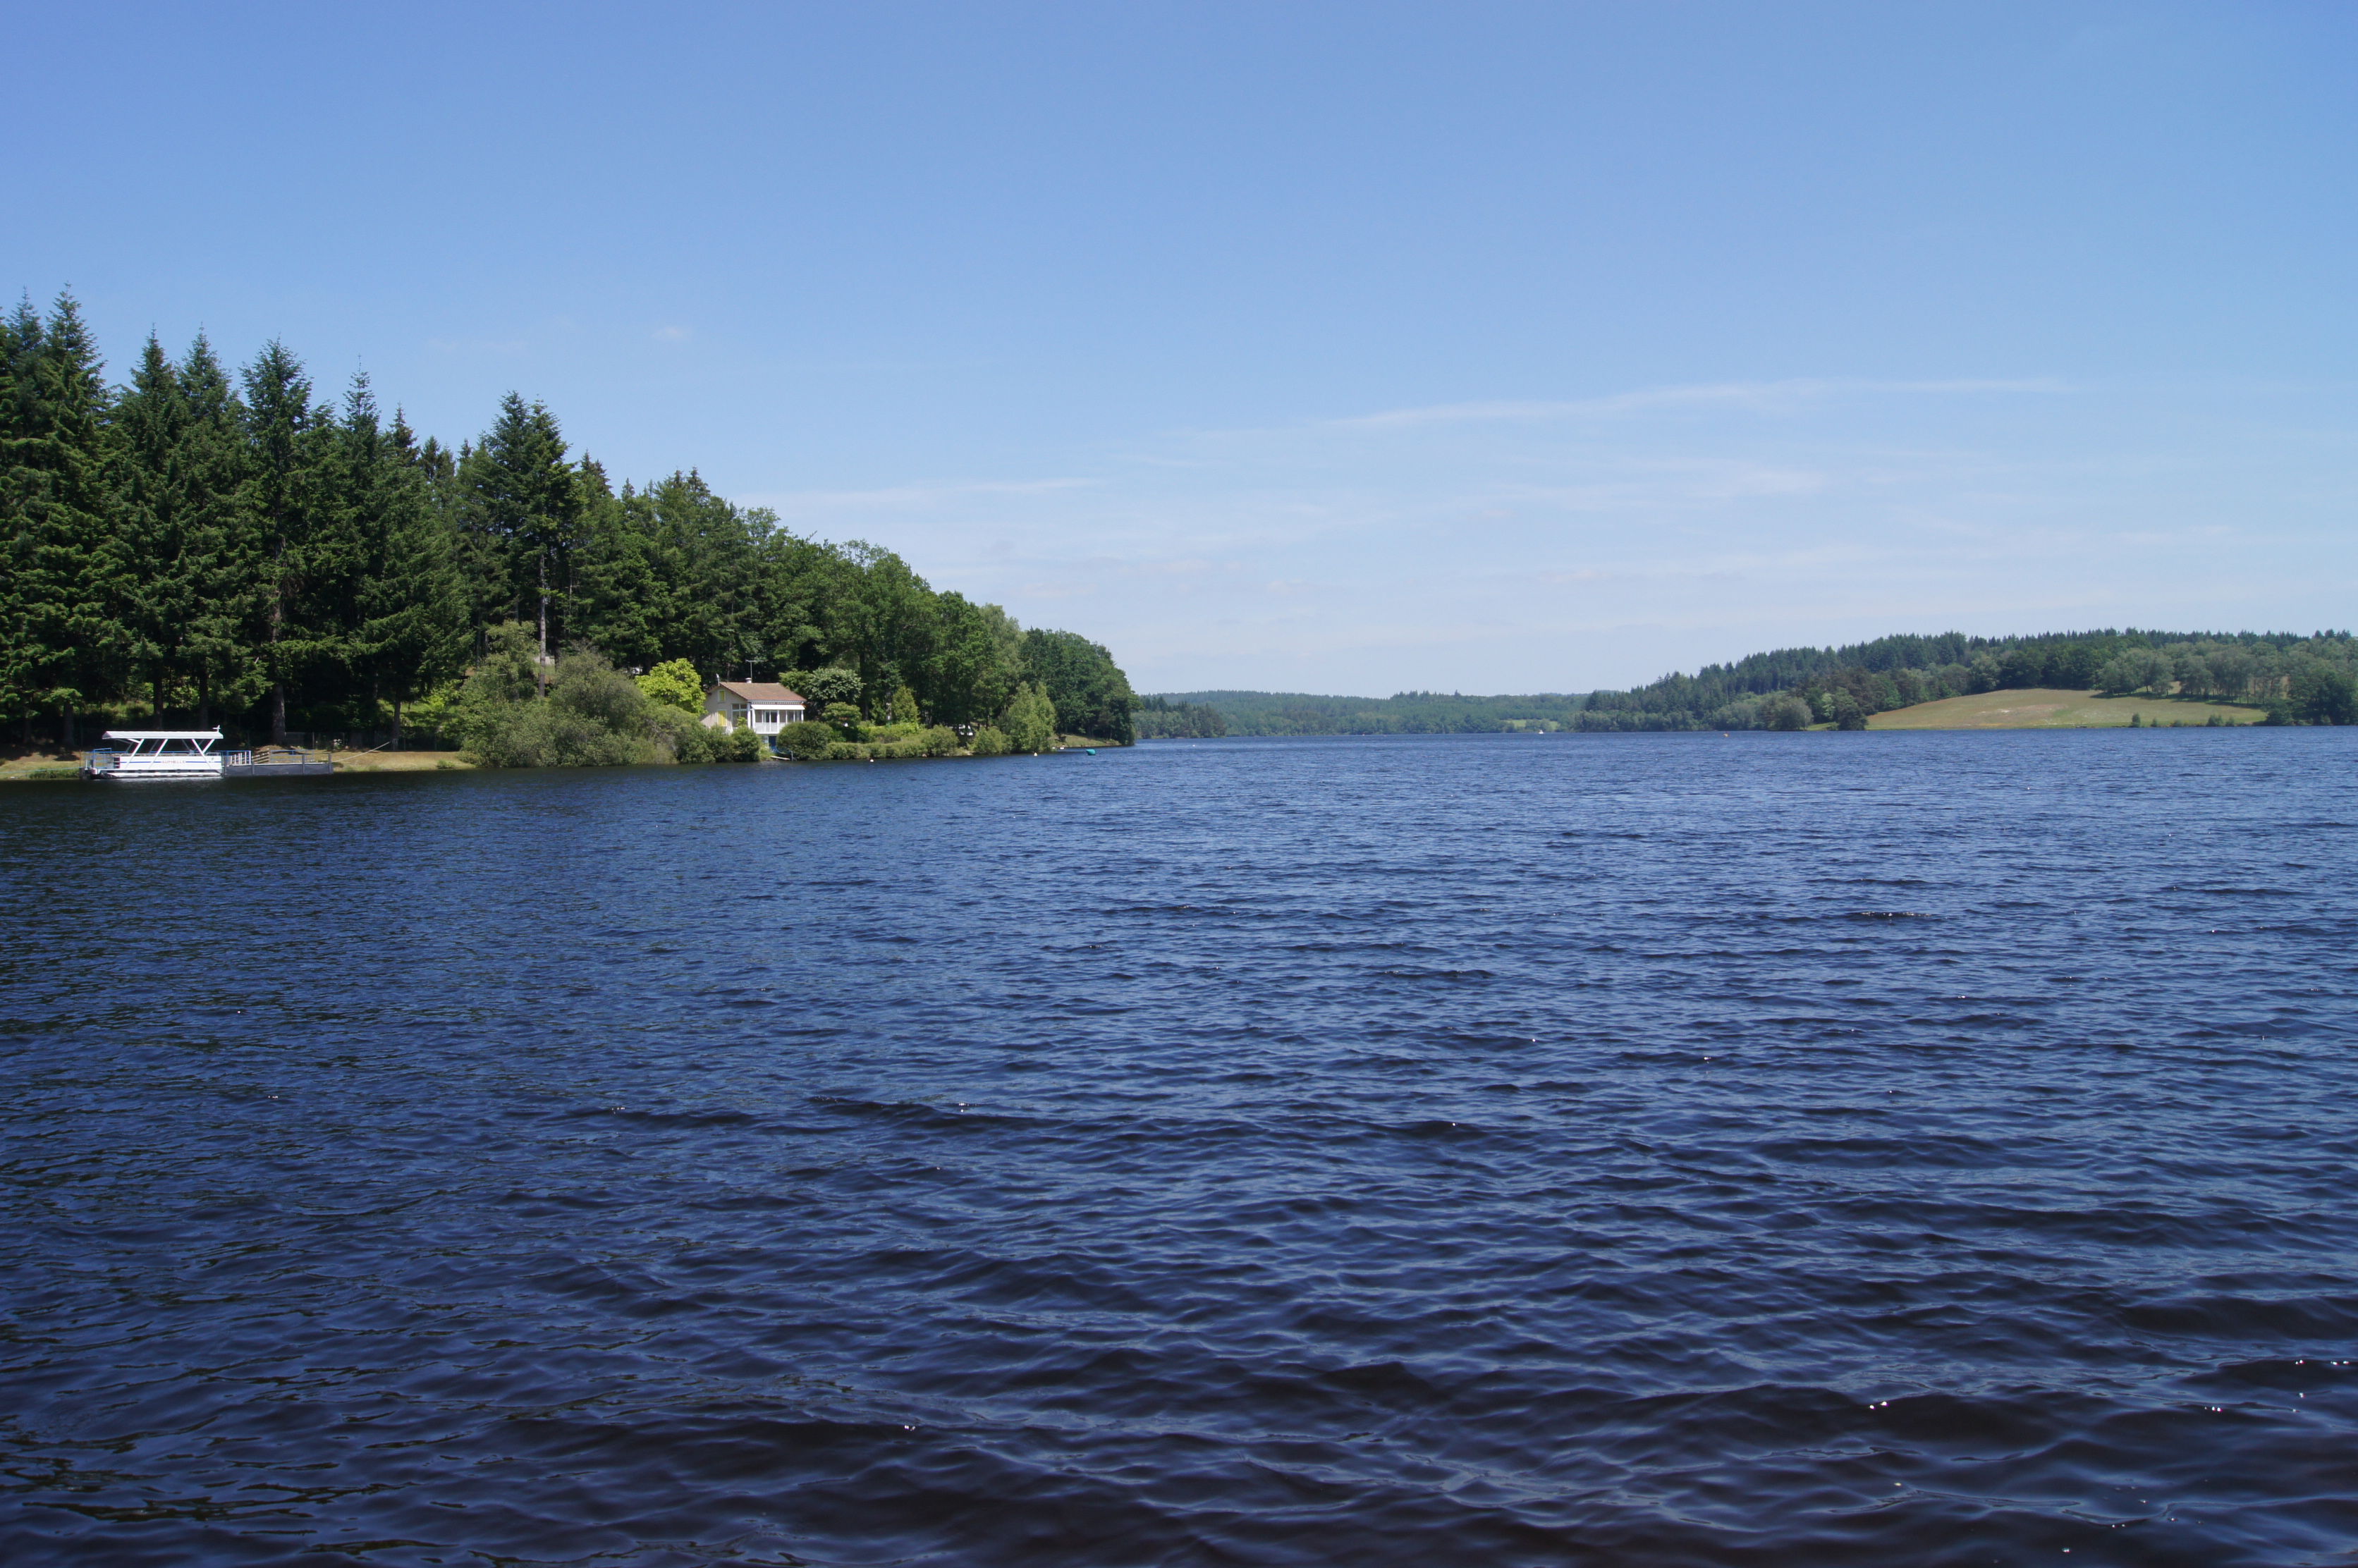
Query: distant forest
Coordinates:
[2291,678]
[198,546]
[2296,679]
[1211,713]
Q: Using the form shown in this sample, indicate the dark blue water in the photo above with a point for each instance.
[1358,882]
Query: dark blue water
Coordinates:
[1828,1149]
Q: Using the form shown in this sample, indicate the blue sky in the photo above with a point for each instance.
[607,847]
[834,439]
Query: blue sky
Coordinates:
[1352,347]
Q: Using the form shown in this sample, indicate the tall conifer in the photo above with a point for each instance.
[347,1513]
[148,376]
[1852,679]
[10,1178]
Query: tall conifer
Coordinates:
[523,506]
[411,621]
[65,640]
[285,514]
[220,641]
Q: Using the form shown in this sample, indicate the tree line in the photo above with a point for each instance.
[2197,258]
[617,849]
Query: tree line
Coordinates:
[217,546]
[2294,679]
[1207,713]
[2290,678]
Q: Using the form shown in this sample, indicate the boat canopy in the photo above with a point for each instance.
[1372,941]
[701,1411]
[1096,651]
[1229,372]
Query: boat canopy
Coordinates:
[163,735]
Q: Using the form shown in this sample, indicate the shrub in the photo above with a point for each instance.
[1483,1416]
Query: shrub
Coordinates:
[845,717]
[543,735]
[590,688]
[941,741]
[738,746]
[679,732]
[806,741]
[593,717]
[988,742]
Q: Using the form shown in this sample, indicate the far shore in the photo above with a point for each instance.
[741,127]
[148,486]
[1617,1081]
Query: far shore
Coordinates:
[2031,709]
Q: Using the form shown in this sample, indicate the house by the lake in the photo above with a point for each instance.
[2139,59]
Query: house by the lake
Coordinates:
[763,707]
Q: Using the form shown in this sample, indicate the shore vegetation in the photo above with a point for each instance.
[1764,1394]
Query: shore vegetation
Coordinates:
[202,546]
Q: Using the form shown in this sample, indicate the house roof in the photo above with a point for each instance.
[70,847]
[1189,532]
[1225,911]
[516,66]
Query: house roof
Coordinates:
[756,690]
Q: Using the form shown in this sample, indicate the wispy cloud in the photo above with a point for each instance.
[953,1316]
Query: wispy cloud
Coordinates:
[1759,397]
[1570,544]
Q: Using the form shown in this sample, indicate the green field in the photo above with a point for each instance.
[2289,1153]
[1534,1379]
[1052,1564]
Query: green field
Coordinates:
[2046,708]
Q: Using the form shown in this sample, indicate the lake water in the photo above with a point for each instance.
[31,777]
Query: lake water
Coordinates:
[1875,1149]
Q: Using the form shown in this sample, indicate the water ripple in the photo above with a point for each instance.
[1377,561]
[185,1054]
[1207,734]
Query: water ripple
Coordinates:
[1908,1148]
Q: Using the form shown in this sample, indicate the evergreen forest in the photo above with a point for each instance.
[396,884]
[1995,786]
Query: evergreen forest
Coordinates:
[200,547]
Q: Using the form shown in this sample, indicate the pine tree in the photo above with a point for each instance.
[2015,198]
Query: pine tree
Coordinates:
[524,510]
[148,426]
[220,640]
[64,636]
[619,606]
[19,661]
[287,518]
[412,623]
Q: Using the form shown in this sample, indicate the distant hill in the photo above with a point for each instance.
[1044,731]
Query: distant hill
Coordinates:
[1301,713]
[2298,679]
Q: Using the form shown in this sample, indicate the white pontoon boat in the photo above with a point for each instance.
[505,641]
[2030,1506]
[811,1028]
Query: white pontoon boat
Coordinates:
[158,754]
[193,754]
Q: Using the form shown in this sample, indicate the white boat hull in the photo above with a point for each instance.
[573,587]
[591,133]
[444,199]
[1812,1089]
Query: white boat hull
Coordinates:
[129,768]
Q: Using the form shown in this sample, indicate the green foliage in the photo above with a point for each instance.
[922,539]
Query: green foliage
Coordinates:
[806,741]
[2319,694]
[844,719]
[682,735]
[989,740]
[978,663]
[593,715]
[675,682]
[1090,693]
[521,509]
[822,689]
[1030,723]
[61,636]
[407,629]
[507,673]
[1783,711]
[237,548]
[1159,718]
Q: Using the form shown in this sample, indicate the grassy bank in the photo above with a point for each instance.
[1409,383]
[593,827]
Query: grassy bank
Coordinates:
[397,761]
[2051,709]
[41,764]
